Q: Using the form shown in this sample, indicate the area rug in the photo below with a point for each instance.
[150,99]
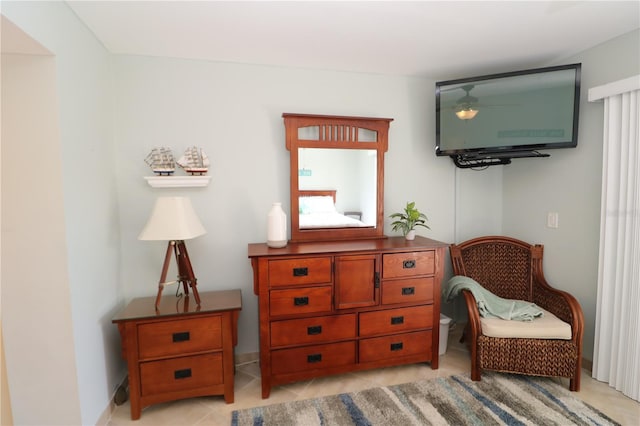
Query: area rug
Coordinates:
[499,399]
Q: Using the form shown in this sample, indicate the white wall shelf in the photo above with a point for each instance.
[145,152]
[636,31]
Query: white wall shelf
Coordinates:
[178,181]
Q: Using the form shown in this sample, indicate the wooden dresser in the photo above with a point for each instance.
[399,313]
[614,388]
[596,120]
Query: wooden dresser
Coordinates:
[333,307]
[182,350]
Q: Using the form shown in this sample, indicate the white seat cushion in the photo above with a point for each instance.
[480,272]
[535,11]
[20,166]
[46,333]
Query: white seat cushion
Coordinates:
[548,326]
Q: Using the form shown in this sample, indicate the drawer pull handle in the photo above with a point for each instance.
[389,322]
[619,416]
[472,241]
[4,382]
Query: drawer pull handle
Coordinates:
[301,301]
[314,330]
[396,346]
[181,337]
[409,264]
[182,374]
[314,358]
[408,291]
[397,320]
[300,272]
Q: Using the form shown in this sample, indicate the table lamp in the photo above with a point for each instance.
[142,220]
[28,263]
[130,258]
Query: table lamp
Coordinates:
[174,220]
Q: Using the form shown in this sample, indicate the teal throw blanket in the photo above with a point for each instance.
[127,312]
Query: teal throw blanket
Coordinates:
[490,305]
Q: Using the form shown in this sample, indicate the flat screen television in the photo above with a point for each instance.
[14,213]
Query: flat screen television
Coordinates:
[492,118]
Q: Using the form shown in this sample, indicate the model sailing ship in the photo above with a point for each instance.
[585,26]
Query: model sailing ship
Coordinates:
[161,161]
[194,161]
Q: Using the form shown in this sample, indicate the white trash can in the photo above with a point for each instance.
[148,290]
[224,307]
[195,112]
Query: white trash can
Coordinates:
[444,333]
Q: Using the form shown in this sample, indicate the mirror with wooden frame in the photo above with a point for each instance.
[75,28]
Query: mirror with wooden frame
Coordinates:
[337,176]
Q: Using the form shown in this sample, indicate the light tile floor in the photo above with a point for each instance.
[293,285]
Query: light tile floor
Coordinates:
[214,411]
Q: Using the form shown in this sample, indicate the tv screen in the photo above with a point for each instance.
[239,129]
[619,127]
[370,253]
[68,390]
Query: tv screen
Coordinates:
[509,114]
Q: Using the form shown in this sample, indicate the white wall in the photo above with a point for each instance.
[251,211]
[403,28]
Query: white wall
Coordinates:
[235,113]
[35,286]
[478,202]
[83,187]
[569,183]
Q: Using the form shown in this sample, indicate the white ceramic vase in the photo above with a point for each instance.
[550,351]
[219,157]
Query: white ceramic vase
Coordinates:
[276,226]
[411,235]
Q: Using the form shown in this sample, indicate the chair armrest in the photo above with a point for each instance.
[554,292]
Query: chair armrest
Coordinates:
[474,324]
[560,303]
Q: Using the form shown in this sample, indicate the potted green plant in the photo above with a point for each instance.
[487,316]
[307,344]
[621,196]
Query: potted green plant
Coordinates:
[407,221]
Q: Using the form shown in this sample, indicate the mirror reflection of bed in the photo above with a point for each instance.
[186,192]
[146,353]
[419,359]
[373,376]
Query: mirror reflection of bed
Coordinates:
[351,173]
[319,210]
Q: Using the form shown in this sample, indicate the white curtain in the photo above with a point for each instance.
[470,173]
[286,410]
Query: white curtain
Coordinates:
[617,335]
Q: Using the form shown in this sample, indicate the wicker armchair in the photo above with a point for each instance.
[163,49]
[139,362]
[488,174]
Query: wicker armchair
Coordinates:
[512,269]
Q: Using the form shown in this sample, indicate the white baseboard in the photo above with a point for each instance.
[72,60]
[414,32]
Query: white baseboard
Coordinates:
[104,418]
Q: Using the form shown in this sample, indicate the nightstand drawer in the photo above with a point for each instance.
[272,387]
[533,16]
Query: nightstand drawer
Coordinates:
[313,357]
[179,337]
[414,290]
[312,270]
[313,330]
[396,346]
[300,300]
[396,320]
[178,374]
[408,264]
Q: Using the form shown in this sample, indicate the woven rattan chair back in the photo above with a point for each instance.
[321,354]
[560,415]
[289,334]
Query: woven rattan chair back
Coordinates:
[503,268]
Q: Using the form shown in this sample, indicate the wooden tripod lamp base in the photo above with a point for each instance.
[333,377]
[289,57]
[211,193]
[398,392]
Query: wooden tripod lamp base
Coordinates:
[185,271]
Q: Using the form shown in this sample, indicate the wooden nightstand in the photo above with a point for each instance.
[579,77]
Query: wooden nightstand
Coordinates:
[181,350]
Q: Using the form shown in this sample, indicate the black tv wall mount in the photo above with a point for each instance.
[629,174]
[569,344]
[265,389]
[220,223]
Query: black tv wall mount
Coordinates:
[480,160]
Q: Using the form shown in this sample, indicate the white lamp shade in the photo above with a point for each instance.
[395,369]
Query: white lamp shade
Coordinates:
[173,218]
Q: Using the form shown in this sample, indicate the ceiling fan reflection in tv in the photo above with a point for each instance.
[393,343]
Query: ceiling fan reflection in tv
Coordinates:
[488,120]
[468,106]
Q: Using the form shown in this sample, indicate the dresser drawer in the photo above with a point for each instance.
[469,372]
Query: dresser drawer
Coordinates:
[313,330]
[408,264]
[179,337]
[300,300]
[414,290]
[396,346]
[312,270]
[177,374]
[396,320]
[313,357]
